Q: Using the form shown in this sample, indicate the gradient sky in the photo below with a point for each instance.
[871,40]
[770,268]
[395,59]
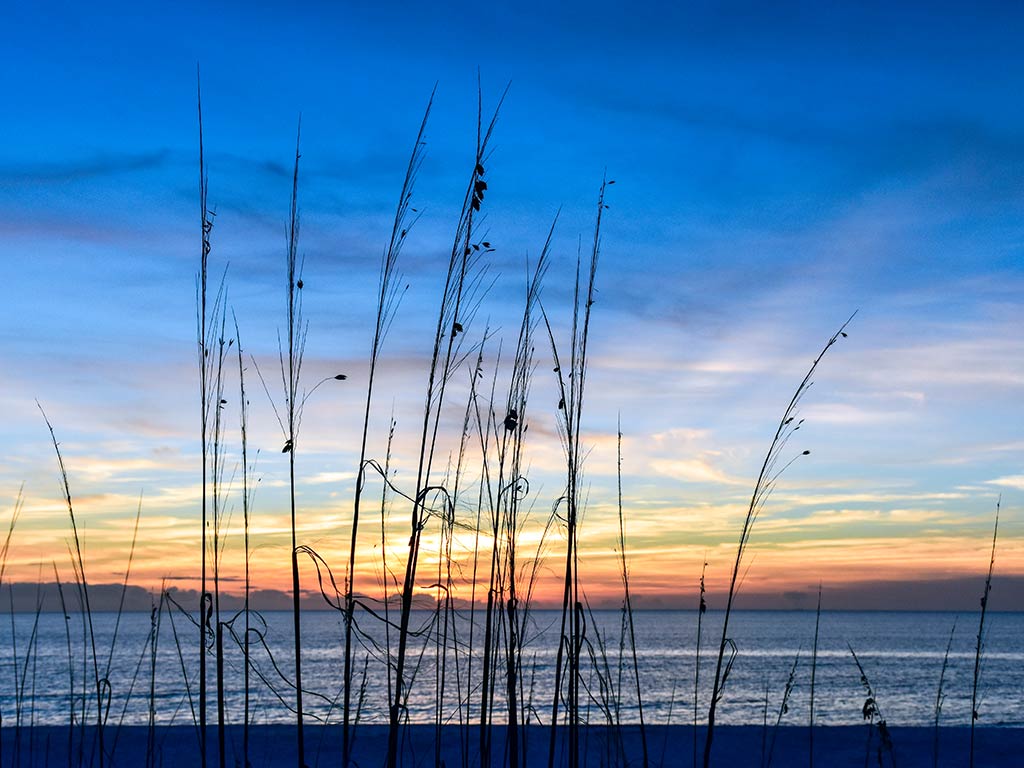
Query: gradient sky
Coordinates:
[777,169]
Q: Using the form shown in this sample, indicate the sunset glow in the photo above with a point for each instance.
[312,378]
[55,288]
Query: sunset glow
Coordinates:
[758,203]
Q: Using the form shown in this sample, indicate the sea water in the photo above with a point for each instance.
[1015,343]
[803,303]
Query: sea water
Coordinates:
[901,654]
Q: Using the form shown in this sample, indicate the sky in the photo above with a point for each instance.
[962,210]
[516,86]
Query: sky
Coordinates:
[777,169]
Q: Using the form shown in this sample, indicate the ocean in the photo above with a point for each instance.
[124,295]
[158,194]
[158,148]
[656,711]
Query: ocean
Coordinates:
[901,653]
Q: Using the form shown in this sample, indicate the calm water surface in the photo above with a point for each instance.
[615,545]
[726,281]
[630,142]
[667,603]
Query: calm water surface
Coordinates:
[902,655]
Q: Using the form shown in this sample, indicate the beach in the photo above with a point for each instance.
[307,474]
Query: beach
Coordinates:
[669,746]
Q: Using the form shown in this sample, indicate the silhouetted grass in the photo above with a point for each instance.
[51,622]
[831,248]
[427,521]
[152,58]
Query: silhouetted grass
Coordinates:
[872,714]
[980,645]
[628,604]
[571,389]
[783,708]
[78,564]
[814,671]
[247,496]
[290,373]
[388,296]
[205,361]
[766,481]
[702,608]
[452,320]
[940,696]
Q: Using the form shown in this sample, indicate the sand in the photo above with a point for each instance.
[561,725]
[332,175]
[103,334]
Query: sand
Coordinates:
[273,746]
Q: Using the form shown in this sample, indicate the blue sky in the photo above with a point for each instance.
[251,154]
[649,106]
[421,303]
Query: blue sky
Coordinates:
[777,168]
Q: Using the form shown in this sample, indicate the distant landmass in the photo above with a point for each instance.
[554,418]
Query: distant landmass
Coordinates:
[954,594]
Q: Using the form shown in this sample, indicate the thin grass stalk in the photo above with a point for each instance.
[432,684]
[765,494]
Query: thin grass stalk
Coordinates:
[620,663]
[979,646]
[444,585]
[34,645]
[387,300]
[84,695]
[576,402]
[465,690]
[487,430]
[872,714]
[702,608]
[384,513]
[386,573]
[171,605]
[80,564]
[472,405]
[155,618]
[513,641]
[217,493]
[766,480]
[206,226]
[502,651]
[440,645]
[246,510]
[19,503]
[606,699]
[442,609]
[14,675]
[71,666]
[940,697]
[571,407]
[513,489]
[814,670]
[32,693]
[117,621]
[668,721]
[629,605]
[450,629]
[494,614]
[783,707]
[290,374]
[146,651]
[530,712]
[563,640]
[19,680]
[764,725]
[124,587]
[449,326]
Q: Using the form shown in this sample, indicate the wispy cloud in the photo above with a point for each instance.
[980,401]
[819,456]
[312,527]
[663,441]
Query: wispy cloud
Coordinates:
[1010,481]
[78,169]
[699,470]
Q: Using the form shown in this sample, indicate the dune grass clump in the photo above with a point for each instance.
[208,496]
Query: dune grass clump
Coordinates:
[571,389]
[457,308]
